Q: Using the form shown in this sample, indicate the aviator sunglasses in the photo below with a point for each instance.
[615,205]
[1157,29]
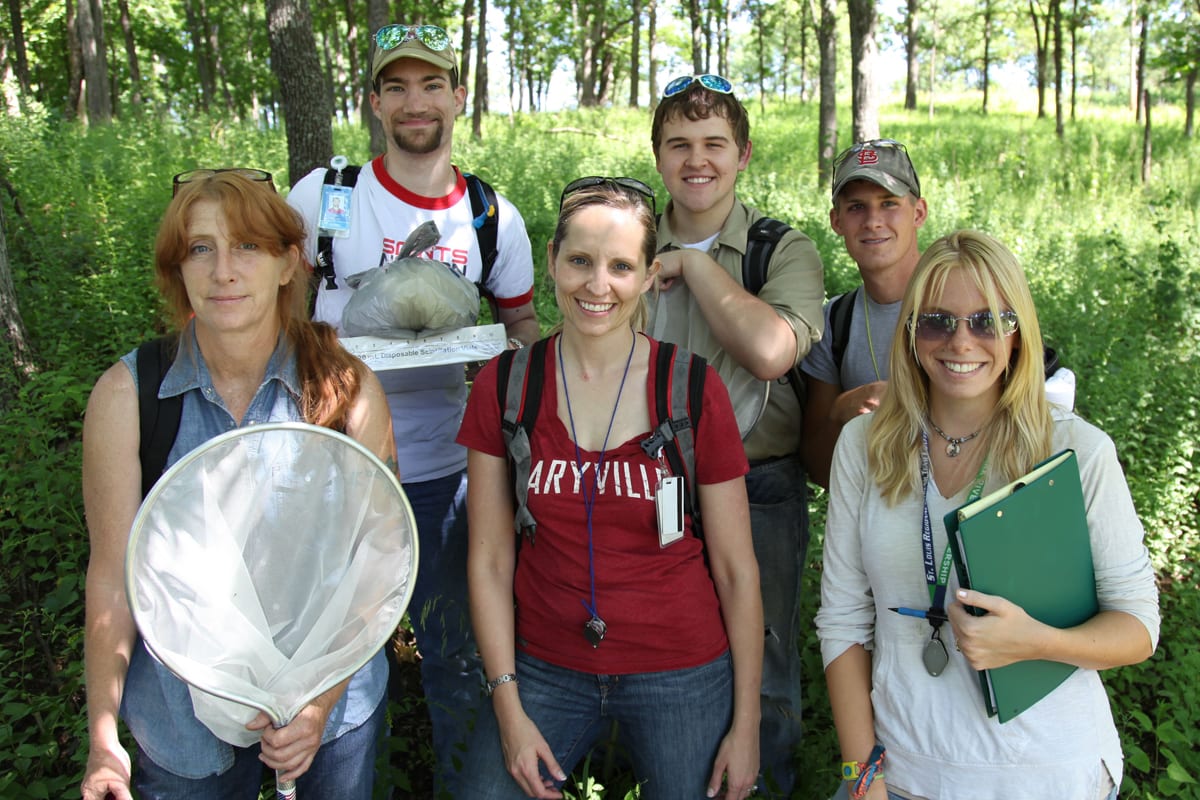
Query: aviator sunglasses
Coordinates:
[631,184]
[714,82]
[940,325]
[390,37]
[257,175]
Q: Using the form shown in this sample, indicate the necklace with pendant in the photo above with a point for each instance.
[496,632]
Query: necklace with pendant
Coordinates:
[953,443]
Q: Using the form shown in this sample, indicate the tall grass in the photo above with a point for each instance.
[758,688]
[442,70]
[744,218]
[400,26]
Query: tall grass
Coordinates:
[1113,265]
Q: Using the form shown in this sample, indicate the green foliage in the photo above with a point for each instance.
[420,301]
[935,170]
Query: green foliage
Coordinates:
[1114,267]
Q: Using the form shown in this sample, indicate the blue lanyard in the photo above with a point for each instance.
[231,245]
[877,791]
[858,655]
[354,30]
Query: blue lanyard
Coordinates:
[936,577]
[589,497]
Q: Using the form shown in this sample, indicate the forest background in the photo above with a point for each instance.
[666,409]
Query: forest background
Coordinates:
[1063,127]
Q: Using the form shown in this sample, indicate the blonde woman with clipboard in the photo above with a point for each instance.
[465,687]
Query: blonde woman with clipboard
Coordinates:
[967,414]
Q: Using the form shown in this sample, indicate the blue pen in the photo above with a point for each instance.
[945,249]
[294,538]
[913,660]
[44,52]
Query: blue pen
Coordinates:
[931,614]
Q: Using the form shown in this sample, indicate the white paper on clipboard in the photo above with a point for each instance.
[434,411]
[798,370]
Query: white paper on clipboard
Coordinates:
[475,343]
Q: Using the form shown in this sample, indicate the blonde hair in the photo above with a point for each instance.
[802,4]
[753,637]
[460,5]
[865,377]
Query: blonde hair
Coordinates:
[1018,434]
[330,377]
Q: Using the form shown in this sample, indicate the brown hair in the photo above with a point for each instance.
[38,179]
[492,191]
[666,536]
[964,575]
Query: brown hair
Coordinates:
[698,102]
[330,377]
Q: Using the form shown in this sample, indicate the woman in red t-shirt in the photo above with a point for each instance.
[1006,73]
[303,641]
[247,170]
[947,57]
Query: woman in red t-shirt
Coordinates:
[607,615]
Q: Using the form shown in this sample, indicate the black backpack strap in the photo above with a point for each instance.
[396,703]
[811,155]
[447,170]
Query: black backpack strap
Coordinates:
[486,219]
[158,420]
[678,400]
[841,312]
[347,176]
[761,240]
[519,378]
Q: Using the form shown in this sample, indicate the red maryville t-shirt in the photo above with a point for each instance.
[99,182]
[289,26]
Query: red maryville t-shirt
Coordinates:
[659,603]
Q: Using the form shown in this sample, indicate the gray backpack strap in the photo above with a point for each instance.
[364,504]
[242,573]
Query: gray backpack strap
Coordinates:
[678,400]
[519,391]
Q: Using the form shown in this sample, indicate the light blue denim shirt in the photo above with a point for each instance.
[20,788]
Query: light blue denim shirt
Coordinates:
[156,705]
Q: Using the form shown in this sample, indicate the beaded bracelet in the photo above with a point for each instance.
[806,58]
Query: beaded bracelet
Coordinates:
[863,773]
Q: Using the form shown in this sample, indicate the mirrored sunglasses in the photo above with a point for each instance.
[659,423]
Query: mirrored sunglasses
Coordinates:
[714,82]
[257,175]
[390,37]
[940,325]
[631,184]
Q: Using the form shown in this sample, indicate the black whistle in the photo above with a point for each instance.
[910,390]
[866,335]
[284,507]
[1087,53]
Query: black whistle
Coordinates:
[594,630]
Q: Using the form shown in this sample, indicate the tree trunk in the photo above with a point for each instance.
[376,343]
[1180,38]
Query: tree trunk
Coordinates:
[352,50]
[18,358]
[723,39]
[214,47]
[95,61]
[933,43]
[987,52]
[135,72]
[760,52]
[1041,37]
[696,20]
[1056,15]
[306,97]
[827,135]
[21,60]
[479,106]
[250,12]
[75,105]
[196,26]
[377,16]
[651,41]
[1143,37]
[863,49]
[1146,148]
[1074,53]
[910,56]
[1189,127]
[1133,21]
[464,69]
[635,55]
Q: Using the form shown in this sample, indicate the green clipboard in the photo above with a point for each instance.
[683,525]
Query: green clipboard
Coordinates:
[1028,542]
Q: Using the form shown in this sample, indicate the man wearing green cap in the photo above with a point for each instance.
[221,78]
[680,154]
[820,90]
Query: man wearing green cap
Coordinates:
[877,210]
[416,96]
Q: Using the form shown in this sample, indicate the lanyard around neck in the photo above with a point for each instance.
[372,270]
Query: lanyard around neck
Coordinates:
[589,497]
[937,576]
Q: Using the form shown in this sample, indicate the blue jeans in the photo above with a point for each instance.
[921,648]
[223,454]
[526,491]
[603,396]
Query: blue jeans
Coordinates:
[779,528]
[671,724]
[343,769]
[451,672]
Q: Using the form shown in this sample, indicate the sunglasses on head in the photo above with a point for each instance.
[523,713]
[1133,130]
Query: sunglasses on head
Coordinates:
[631,184]
[257,175]
[941,325]
[390,37]
[713,82]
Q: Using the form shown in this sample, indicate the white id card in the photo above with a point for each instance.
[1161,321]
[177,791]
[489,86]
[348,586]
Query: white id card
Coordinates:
[335,211]
[668,499]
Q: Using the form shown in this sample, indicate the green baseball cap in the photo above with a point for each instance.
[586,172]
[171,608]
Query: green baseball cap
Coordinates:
[883,162]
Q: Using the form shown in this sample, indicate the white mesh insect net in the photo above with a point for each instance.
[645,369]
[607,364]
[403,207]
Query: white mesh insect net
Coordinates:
[268,565]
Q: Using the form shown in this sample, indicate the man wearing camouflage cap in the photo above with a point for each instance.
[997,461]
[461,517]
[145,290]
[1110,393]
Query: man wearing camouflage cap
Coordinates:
[877,210]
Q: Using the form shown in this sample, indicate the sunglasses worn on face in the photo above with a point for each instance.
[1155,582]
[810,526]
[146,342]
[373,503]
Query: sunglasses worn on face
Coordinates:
[631,184]
[939,325]
[713,82]
[257,175]
[390,37]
